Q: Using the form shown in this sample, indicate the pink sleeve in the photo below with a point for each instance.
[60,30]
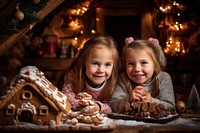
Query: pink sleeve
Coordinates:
[68,91]
[105,107]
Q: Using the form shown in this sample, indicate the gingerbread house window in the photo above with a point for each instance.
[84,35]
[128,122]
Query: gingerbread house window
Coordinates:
[26,95]
[10,110]
[43,110]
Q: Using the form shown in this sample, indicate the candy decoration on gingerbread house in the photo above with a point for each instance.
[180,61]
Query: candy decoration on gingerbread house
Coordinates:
[33,99]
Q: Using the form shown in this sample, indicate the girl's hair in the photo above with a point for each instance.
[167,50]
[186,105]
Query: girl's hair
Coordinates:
[79,64]
[153,49]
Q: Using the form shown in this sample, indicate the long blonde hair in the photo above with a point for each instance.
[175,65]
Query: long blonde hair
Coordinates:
[78,65]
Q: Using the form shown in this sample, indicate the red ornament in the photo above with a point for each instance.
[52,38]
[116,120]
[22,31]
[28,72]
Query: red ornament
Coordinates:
[40,52]
[27,73]
[160,26]
[163,26]
[49,48]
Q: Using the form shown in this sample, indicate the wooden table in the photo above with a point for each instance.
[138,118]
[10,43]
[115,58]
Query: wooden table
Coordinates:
[186,123]
[180,125]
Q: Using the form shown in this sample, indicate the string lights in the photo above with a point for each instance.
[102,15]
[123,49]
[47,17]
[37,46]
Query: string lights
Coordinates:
[75,20]
[171,22]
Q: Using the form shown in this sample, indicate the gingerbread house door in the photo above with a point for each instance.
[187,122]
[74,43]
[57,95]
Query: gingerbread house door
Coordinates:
[26,113]
[26,116]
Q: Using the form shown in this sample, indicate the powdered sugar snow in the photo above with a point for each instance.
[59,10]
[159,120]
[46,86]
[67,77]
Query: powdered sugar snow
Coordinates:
[176,122]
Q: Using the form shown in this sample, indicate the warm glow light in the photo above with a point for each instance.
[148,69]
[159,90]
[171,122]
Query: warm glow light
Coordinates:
[85,9]
[167,8]
[175,3]
[76,24]
[93,31]
[97,19]
[180,25]
[78,11]
[161,8]
[174,44]
[82,11]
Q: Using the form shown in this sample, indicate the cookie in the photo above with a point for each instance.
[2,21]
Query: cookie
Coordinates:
[98,118]
[143,109]
[84,95]
[86,119]
[90,110]
[84,102]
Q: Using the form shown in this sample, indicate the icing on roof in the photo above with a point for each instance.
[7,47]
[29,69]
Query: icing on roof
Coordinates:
[33,75]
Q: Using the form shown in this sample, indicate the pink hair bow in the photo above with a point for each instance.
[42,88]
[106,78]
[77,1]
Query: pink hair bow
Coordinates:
[154,41]
[129,40]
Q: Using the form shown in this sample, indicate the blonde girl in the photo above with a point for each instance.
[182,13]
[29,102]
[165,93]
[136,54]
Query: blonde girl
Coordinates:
[142,77]
[94,71]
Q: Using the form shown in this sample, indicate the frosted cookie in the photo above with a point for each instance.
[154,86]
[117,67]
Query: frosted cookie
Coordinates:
[98,118]
[90,110]
[84,95]
[84,102]
[86,119]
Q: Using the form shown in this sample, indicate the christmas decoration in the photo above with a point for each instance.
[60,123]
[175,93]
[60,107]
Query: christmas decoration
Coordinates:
[174,22]
[193,104]
[19,15]
[25,14]
[180,106]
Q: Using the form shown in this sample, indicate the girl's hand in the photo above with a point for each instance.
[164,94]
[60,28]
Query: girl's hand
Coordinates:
[137,94]
[146,97]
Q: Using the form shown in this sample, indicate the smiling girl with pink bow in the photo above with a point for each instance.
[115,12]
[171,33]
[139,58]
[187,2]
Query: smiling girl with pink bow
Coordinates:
[142,77]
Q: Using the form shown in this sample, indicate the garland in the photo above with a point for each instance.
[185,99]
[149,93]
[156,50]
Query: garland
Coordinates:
[10,25]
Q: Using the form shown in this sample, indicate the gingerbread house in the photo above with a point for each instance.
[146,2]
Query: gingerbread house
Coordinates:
[33,99]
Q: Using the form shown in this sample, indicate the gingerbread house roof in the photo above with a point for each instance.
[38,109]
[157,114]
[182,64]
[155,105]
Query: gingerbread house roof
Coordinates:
[33,76]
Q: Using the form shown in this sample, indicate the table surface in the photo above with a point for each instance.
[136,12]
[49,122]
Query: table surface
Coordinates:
[185,123]
[178,125]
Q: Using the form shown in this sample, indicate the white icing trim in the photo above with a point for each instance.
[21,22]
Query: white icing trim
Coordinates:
[33,74]
[26,106]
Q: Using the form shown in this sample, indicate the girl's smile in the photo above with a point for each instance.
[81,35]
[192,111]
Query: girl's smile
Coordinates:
[139,66]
